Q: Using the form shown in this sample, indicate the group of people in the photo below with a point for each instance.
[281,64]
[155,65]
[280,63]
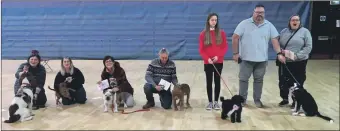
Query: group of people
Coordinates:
[250,42]
[250,49]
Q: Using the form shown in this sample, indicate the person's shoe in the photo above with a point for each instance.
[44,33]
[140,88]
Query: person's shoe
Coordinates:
[217,106]
[258,104]
[283,102]
[149,105]
[209,106]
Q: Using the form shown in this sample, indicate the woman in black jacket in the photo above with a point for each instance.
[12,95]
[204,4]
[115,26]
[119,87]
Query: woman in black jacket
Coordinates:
[75,80]
[33,66]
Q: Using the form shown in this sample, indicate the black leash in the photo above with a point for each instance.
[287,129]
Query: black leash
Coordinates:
[291,74]
[223,80]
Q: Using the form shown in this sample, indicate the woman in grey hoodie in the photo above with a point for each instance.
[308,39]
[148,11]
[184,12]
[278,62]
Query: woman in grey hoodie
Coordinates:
[297,53]
[33,66]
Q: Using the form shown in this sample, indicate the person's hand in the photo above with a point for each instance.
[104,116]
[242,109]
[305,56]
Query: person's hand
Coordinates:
[25,69]
[281,58]
[115,89]
[99,82]
[214,59]
[236,57]
[210,61]
[158,88]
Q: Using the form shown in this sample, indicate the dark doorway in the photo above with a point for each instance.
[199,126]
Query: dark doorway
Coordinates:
[324,31]
[334,28]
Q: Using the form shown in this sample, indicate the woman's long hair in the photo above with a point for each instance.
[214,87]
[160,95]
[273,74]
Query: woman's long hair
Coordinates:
[62,70]
[207,37]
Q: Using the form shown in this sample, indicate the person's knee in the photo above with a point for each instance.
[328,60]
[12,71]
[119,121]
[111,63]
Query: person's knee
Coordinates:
[166,101]
[66,101]
[42,99]
[81,96]
[130,102]
[166,105]
[147,89]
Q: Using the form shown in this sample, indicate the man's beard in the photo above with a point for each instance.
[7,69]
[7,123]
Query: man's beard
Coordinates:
[259,18]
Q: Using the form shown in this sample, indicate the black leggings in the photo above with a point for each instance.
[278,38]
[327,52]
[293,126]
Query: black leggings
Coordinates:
[298,69]
[210,73]
[79,96]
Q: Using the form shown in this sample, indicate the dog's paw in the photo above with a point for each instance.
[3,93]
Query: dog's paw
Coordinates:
[295,113]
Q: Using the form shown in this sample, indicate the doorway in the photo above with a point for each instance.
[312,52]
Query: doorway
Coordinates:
[325,33]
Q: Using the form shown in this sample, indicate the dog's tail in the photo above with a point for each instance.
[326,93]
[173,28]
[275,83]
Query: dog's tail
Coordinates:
[12,117]
[325,117]
[50,88]
[222,98]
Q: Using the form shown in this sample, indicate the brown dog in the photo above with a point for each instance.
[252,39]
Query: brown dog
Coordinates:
[178,93]
[63,92]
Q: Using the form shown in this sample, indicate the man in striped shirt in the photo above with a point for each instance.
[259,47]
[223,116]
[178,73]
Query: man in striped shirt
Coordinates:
[160,68]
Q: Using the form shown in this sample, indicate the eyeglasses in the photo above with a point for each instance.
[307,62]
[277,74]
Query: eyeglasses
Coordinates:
[259,12]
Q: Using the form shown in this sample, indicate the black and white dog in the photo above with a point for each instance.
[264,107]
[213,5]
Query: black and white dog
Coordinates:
[232,108]
[110,96]
[305,100]
[21,105]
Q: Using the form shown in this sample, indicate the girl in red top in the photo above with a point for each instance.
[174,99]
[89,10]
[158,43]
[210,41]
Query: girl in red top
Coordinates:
[212,47]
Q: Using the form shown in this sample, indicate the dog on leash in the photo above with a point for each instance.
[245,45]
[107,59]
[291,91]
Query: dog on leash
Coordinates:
[110,96]
[305,101]
[178,93]
[232,108]
[21,105]
[64,91]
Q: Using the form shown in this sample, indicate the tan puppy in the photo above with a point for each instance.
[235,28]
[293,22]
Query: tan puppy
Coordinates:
[178,93]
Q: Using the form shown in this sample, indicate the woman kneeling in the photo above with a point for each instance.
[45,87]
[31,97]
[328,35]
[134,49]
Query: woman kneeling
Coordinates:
[74,79]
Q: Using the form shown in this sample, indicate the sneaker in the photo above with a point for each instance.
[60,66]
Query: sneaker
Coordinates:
[216,106]
[258,104]
[209,106]
[283,102]
[149,105]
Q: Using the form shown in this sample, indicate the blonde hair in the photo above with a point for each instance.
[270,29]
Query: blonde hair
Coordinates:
[62,70]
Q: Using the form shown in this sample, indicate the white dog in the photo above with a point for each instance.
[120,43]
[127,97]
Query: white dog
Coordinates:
[21,105]
[109,98]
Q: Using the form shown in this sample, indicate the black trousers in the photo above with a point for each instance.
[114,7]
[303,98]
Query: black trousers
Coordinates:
[298,70]
[164,96]
[41,99]
[210,73]
[79,96]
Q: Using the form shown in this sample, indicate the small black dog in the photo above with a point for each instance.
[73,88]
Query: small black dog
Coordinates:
[305,100]
[232,107]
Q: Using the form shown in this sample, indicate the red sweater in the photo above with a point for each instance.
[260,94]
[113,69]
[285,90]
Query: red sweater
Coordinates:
[213,49]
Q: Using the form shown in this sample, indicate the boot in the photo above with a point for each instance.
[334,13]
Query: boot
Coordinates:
[149,105]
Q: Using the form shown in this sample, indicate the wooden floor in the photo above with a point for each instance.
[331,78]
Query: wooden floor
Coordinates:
[322,82]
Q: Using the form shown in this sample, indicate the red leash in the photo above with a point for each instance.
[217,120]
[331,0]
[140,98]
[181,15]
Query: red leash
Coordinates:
[123,111]
[222,79]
